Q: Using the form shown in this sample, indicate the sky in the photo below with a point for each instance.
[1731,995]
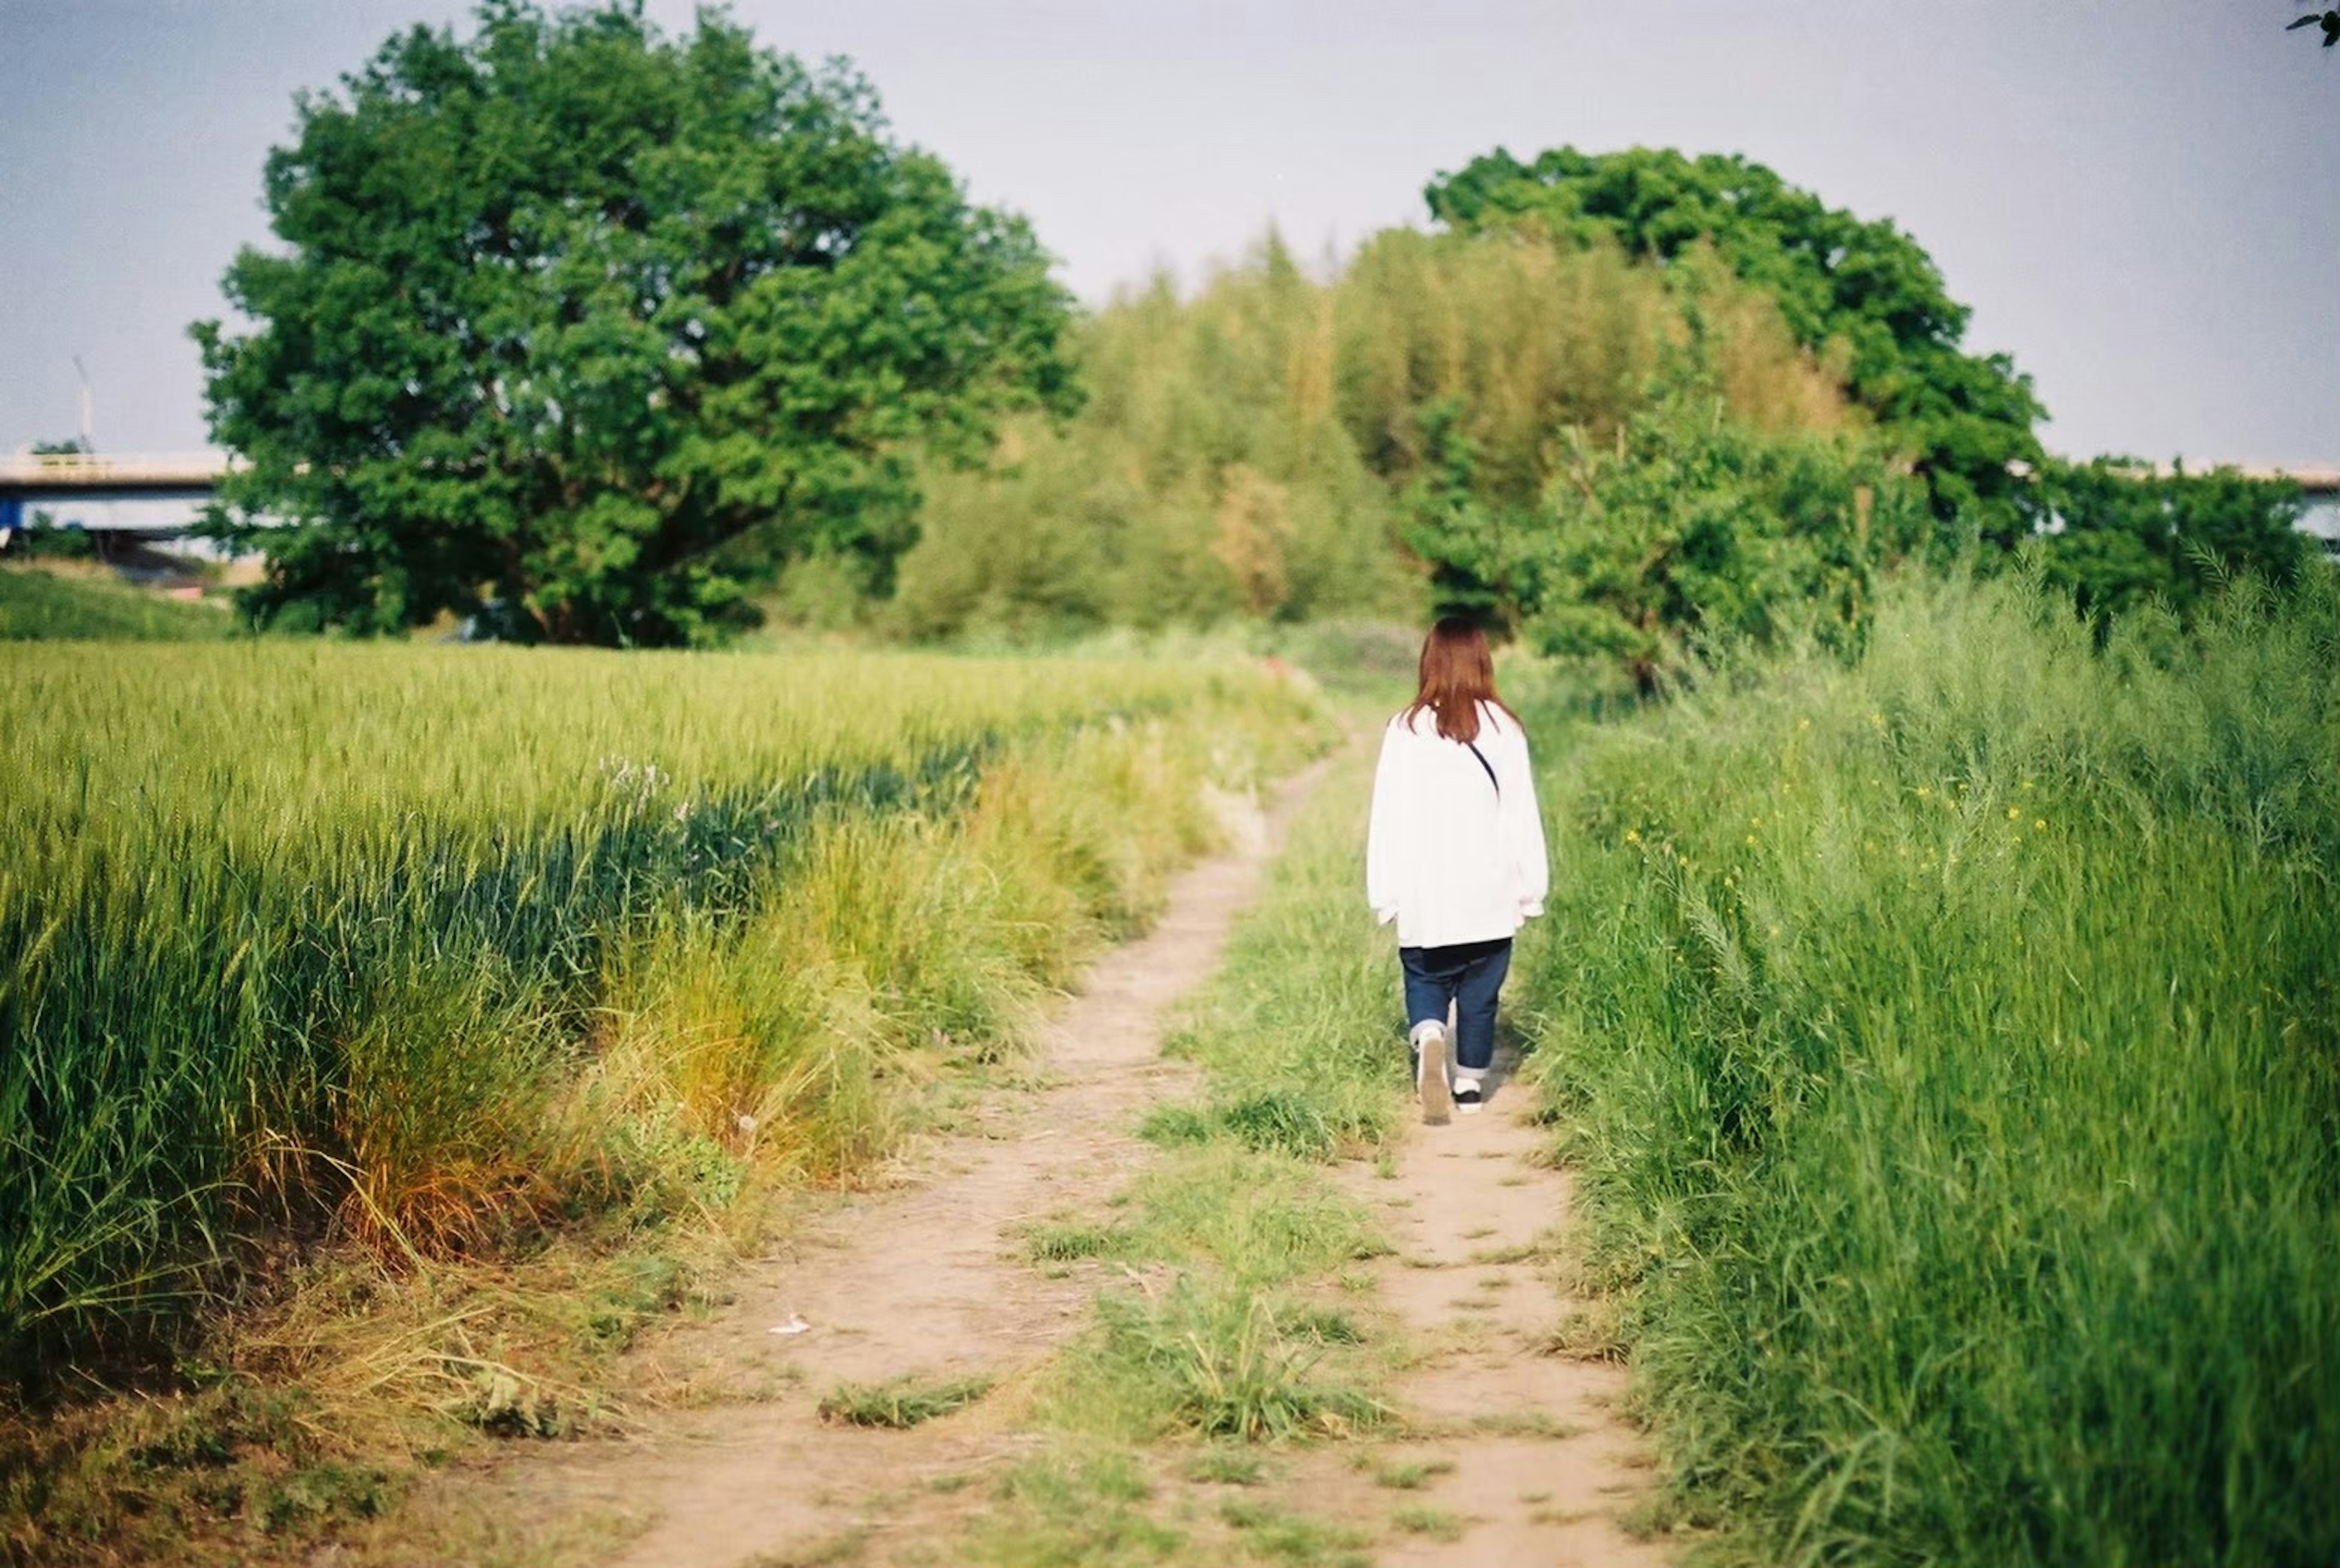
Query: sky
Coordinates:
[2140,200]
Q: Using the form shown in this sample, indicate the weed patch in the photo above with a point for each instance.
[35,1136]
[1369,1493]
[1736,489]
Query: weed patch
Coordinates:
[1281,1536]
[1217,1363]
[1436,1524]
[1075,1242]
[905,1402]
[1408,1474]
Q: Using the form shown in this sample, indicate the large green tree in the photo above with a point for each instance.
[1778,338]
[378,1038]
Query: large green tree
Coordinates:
[599,327]
[1961,417]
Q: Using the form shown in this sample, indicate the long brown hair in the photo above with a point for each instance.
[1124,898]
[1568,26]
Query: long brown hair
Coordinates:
[1458,674]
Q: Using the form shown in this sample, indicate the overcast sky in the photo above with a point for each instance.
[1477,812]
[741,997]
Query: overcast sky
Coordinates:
[2141,201]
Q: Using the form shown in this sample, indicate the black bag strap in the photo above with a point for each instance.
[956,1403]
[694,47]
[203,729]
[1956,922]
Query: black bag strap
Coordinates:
[1490,767]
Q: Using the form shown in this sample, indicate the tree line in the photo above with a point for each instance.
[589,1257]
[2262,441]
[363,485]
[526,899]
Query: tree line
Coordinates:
[597,334]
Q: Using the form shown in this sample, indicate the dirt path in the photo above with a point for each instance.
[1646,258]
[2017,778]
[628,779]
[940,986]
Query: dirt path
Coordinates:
[924,1279]
[929,1279]
[1514,1452]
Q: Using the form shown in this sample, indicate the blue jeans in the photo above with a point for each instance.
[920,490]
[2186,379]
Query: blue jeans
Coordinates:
[1468,975]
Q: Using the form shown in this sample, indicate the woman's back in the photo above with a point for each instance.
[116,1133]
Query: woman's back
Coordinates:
[1454,855]
[1455,849]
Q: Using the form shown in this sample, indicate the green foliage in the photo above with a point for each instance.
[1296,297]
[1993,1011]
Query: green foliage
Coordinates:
[1492,344]
[37,606]
[600,327]
[1947,1043]
[1694,527]
[2124,535]
[1481,553]
[1257,1219]
[1223,1464]
[40,540]
[1687,522]
[1291,1540]
[1300,1034]
[1862,285]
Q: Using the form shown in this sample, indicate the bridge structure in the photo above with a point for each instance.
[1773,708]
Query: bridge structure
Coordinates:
[28,479]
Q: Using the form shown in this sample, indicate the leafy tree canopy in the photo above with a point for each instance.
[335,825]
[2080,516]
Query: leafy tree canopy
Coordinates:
[1838,278]
[600,328]
[2119,534]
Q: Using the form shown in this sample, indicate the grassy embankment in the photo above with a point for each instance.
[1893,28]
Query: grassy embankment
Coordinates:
[437,1010]
[1949,1044]
[38,605]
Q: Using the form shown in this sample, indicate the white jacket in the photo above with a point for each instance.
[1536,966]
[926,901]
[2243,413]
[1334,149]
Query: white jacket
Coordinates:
[1450,856]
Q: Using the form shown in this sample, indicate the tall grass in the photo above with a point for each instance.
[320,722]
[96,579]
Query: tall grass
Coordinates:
[1950,1044]
[429,948]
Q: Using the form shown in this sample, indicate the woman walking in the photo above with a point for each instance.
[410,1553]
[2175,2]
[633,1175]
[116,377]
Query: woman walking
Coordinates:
[1455,856]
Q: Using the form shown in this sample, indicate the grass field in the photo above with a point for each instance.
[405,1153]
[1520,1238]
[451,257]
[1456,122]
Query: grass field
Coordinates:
[433,948]
[1949,1043]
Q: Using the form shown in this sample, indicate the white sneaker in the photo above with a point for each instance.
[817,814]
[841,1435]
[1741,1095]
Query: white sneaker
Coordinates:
[1429,1074]
[1469,1096]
